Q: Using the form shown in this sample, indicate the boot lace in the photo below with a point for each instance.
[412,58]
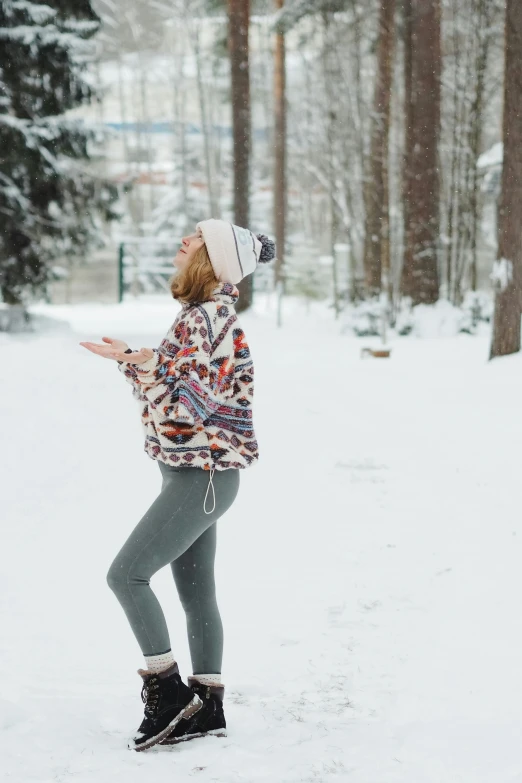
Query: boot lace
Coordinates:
[149,695]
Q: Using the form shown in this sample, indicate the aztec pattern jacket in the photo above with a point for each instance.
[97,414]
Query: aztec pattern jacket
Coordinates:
[196,392]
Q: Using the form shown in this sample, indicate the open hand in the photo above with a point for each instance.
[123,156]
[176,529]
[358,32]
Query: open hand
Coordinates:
[115,349]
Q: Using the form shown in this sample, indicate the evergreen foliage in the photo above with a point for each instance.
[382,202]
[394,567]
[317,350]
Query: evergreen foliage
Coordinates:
[50,203]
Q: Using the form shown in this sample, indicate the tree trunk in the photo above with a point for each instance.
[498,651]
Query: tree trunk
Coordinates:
[408,133]
[453,169]
[420,277]
[203,110]
[475,142]
[331,109]
[146,125]
[508,299]
[280,205]
[376,235]
[180,126]
[239,19]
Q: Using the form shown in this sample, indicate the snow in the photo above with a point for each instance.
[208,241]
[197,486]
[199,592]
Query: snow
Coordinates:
[39,13]
[492,157]
[502,273]
[48,35]
[441,319]
[368,573]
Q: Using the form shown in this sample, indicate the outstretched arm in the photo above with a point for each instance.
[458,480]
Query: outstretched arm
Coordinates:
[146,361]
[116,350]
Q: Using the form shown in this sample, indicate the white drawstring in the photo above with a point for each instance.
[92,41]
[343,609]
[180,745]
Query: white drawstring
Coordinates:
[206,493]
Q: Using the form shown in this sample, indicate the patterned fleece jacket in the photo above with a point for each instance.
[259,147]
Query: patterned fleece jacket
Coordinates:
[196,392]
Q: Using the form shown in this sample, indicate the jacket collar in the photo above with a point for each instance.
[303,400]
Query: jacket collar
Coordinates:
[225,293]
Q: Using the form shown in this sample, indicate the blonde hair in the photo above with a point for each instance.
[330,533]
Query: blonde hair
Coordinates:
[196,281]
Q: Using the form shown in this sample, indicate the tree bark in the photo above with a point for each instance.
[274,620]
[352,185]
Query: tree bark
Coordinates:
[408,132]
[508,299]
[476,124]
[376,235]
[239,20]
[180,143]
[203,110]
[280,198]
[420,277]
[457,123]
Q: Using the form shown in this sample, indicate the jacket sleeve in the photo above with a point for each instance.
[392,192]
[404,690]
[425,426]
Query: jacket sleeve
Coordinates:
[150,372]
[181,385]
[127,370]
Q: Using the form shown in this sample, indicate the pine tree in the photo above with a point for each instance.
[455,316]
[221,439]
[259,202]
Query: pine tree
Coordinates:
[50,203]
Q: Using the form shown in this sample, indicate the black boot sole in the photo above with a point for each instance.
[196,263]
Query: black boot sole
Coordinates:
[187,737]
[187,712]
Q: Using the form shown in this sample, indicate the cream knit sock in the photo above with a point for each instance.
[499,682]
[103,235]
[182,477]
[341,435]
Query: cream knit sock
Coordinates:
[157,663]
[208,679]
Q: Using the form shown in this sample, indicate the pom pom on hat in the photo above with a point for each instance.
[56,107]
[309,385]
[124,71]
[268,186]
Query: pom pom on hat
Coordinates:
[234,251]
[267,251]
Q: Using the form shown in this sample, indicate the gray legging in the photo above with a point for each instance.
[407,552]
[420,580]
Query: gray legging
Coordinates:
[176,530]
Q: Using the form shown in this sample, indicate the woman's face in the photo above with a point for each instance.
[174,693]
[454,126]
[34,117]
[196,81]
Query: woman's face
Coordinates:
[189,246]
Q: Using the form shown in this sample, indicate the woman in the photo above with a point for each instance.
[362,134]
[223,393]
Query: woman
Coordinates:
[196,392]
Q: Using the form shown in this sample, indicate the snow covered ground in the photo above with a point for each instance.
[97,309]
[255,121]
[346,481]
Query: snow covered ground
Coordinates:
[369,574]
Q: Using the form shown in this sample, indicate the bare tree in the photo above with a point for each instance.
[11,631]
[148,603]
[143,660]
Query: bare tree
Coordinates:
[280,205]
[328,130]
[328,143]
[203,109]
[475,129]
[331,117]
[508,268]
[405,283]
[179,152]
[468,79]
[239,20]
[376,243]
[420,278]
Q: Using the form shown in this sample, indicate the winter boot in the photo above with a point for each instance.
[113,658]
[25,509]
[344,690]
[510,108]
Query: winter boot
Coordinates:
[209,720]
[167,700]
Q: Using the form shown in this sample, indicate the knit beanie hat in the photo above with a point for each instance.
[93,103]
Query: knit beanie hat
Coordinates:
[234,252]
